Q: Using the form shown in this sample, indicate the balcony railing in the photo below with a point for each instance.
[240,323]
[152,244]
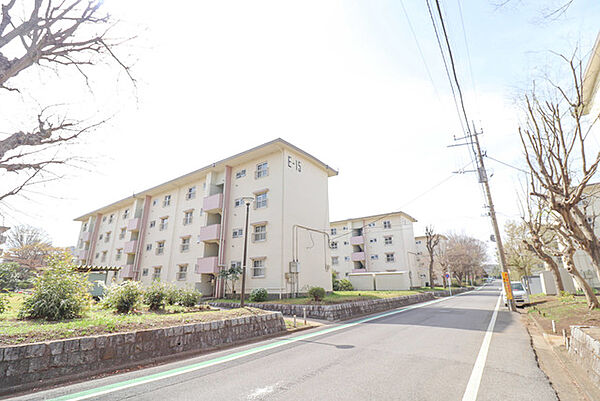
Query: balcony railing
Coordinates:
[130,247]
[134,224]
[126,271]
[85,236]
[357,240]
[213,203]
[82,253]
[358,256]
[210,233]
[207,265]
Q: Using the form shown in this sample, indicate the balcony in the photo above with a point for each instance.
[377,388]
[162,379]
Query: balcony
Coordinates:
[210,233]
[82,254]
[207,265]
[358,240]
[85,236]
[130,247]
[134,224]
[363,270]
[126,272]
[213,203]
[358,256]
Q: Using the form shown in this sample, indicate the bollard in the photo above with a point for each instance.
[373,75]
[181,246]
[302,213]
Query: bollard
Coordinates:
[565,338]
[553,326]
[304,311]
[294,320]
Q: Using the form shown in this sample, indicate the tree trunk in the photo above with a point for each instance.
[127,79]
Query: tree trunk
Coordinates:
[592,300]
[431,284]
[556,273]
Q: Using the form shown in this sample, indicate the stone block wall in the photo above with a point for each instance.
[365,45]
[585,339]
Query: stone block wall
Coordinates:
[24,366]
[585,349]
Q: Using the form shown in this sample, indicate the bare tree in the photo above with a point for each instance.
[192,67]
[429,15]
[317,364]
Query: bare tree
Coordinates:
[432,241]
[465,256]
[20,236]
[29,247]
[519,257]
[56,35]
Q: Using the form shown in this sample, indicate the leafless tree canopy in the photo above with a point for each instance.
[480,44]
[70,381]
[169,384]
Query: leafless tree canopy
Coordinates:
[20,236]
[55,34]
[465,256]
[432,242]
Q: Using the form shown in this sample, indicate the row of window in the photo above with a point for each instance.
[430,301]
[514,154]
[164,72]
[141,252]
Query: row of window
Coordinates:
[387,240]
[386,224]
[257,270]
[389,257]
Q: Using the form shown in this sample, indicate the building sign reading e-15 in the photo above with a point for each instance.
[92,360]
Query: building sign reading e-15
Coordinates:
[295,164]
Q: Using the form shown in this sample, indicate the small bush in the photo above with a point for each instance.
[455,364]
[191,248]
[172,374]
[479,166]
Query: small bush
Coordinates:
[3,304]
[59,293]
[124,297]
[189,297]
[259,295]
[345,285]
[317,293]
[155,296]
[172,294]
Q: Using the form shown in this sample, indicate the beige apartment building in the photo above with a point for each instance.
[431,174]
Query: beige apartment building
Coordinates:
[377,243]
[422,258]
[187,229]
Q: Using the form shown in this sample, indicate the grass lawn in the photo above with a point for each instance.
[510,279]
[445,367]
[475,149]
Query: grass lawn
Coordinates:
[101,321]
[566,311]
[337,297]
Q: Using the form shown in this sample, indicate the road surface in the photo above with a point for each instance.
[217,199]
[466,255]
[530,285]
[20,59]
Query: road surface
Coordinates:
[441,350]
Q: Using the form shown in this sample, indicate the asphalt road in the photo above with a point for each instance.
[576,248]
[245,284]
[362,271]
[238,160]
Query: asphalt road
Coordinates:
[430,352]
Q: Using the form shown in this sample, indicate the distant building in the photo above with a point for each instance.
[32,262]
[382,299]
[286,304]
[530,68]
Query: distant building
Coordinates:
[186,230]
[3,229]
[591,82]
[422,259]
[376,243]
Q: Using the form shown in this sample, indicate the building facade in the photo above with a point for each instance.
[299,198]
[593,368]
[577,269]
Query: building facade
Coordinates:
[422,258]
[377,243]
[186,230]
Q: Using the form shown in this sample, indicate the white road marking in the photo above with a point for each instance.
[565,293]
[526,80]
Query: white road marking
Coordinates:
[475,379]
[260,392]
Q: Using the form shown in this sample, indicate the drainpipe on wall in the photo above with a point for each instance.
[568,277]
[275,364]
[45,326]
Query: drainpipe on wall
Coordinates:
[90,257]
[137,259]
[220,284]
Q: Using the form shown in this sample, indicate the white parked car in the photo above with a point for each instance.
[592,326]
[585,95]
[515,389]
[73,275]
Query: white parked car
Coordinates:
[519,294]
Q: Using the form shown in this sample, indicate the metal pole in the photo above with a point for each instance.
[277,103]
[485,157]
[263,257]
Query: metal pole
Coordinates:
[484,180]
[245,257]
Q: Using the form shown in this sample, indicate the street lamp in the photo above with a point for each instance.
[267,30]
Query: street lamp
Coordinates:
[247,200]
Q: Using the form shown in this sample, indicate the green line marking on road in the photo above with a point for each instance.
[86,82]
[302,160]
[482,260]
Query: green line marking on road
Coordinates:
[109,388]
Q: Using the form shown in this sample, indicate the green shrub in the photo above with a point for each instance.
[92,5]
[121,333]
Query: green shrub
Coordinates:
[259,295]
[124,297]
[59,293]
[172,294]
[3,304]
[189,297]
[345,285]
[14,277]
[155,296]
[317,293]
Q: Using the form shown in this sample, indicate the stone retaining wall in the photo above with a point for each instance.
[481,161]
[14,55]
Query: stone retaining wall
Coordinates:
[25,366]
[585,349]
[346,310]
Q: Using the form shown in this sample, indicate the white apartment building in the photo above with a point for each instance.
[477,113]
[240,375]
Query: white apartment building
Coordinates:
[187,229]
[422,258]
[377,243]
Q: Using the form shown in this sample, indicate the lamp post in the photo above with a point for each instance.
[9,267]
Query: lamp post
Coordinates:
[248,201]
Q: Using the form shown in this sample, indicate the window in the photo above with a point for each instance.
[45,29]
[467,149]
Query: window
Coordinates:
[238,232]
[191,193]
[111,218]
[346,258]
[236,265]
[182,272]
[374,257]
[345,228]
[103,256]
[258,268]
[188,217]
[149,247]
[97,255]
[418,242]
[335,260]
[388,240]
[387,224]
[154,202]
[119,253]
[107,237]
[125,214]
[334,231]
[104,219]
[389,257]
[371,224]
[346,242]
[185,244]
[145,271]
[167,200]
[101,236]
[238,202]
[260,233]
[85,225]
[333,244]
[156,275]
[240,174]
[122,232]
[164,222]
[260,201]
[152,223]
[160,247]
[262,170]
[373,240]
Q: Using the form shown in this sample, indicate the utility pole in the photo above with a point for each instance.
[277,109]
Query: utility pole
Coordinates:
[484,180]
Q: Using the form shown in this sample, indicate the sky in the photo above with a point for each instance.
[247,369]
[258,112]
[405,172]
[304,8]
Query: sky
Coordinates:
[343,80]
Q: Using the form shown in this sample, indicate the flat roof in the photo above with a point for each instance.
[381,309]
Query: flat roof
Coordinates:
[194,174]
[376,216]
